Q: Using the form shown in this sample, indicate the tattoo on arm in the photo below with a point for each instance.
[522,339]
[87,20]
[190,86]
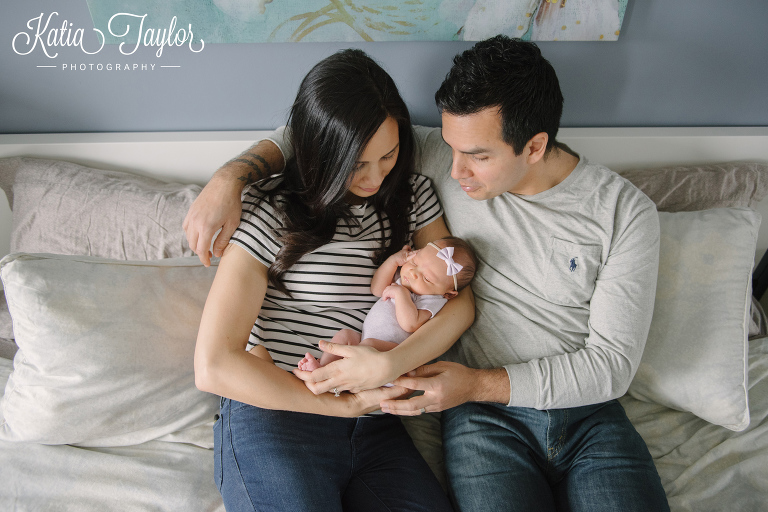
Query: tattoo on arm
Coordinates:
[250,178]
[266,165]
[260,171]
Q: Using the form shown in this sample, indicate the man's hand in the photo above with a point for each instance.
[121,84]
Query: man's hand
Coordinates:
[217,207]
[368,401]
[447,385]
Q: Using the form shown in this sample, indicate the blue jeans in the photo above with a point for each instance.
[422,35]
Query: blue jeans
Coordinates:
[275,460]
[581,459]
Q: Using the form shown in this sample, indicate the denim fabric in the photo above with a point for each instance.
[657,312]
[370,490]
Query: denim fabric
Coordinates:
[285,461]
[518,459]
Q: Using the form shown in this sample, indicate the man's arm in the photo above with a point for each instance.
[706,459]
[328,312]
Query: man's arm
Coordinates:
[447,385]
[218,206]
[599,372]
[620,313]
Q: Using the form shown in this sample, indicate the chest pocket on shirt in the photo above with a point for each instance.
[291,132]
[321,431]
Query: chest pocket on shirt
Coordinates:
[571,272]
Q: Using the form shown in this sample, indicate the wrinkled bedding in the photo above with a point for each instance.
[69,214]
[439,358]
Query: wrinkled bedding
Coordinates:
[703,467]
[152,476]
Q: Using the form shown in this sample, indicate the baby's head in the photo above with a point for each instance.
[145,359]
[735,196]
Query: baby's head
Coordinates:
[427,271]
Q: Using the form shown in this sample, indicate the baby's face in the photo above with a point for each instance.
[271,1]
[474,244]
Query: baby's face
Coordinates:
[426,274]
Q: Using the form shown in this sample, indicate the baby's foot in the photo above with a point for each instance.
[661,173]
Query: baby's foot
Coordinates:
[309,363]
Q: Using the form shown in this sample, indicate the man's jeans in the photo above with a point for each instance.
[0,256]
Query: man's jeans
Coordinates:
[588,458]
[276,460]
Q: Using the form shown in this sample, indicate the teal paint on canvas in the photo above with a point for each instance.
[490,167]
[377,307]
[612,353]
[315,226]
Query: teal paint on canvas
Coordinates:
[256,21]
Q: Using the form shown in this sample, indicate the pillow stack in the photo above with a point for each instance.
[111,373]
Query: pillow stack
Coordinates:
[106,320]
[696,356]
[112,340]
[64,208]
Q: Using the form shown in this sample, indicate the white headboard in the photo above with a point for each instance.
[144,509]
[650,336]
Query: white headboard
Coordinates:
[191,157]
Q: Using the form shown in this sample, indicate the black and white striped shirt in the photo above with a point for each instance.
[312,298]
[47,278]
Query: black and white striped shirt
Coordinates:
[330,286]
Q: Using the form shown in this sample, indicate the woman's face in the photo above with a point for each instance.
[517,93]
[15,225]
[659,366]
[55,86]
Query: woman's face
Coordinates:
[376,161]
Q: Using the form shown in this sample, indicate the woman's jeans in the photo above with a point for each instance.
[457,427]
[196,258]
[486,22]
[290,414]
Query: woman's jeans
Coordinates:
[589,458]
[275,460]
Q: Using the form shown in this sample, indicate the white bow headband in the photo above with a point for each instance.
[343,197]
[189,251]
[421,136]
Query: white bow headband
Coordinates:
[446,254]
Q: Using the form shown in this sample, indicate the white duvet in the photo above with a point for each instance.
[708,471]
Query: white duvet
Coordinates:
[152,476]
[703,467]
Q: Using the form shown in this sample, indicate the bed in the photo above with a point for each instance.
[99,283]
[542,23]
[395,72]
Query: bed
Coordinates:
[103,297]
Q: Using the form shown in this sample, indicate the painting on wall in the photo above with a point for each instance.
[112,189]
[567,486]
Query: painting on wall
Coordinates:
[258,21]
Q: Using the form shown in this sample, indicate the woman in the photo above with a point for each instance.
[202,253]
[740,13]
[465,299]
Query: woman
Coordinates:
[346,200]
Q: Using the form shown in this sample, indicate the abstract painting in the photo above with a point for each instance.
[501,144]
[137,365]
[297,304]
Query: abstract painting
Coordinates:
[257,21]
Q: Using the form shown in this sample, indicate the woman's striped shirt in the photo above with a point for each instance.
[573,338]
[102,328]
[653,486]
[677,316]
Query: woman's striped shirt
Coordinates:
[330,286]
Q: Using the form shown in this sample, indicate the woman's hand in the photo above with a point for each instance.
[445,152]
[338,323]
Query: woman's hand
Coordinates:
[361,368]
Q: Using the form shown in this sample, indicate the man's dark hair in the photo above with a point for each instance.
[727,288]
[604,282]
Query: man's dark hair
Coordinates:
[511,75]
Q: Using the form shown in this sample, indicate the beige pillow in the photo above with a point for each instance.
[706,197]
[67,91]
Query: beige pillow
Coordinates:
[702,187]
[105,350]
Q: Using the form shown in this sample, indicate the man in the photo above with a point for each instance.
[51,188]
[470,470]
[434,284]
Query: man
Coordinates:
[564,295]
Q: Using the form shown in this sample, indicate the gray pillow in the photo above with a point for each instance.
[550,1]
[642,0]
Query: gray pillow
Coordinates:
[696,357]
[63,208]
[687,188]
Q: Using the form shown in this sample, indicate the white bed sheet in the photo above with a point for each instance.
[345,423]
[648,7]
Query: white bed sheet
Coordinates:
[703,467]
[153,476]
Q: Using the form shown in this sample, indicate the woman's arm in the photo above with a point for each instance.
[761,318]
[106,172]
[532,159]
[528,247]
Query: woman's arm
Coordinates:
[223,367]
[443,330]
[365,368]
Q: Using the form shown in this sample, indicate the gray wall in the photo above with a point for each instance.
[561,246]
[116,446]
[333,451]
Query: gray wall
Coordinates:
[681,63]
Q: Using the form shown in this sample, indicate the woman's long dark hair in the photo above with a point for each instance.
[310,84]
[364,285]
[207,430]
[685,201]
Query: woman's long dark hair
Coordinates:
[340,105]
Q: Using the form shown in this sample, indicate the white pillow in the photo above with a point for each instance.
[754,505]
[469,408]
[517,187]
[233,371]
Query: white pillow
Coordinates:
[696,356]
[105,350]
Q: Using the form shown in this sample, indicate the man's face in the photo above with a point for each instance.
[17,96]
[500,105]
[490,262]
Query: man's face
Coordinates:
[484,165]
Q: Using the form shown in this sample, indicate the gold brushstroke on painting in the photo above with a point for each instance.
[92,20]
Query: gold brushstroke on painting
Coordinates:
[341,11]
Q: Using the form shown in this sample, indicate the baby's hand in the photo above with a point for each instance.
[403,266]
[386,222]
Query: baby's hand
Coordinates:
[403,255]
[394,291]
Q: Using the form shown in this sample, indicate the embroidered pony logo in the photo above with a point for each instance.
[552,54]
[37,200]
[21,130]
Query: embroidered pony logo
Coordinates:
[573,265]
